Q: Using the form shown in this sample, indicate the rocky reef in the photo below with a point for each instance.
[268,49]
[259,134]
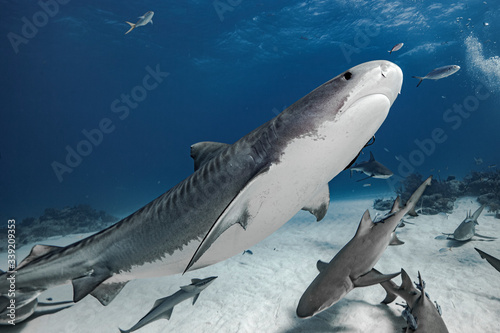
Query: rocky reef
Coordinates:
[56,222]
[440,196]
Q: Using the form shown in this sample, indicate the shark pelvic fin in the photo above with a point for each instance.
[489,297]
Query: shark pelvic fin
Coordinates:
[318,205]
[84,285]
[106,292]
[36,252]
[373,277]
[202,152]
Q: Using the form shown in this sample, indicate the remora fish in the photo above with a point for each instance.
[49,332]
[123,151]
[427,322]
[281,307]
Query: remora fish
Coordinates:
[467,229]
[143,20]
[438,73]
[421,314]
[353,265]
[163,307]
[238,195]
[372,168]
[492,260]
[396,47]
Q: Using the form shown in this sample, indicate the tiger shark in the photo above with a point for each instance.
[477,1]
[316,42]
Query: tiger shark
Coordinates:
[163,307]
[352,266]
[238,195]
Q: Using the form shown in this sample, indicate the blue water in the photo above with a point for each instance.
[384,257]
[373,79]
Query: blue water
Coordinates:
[230,69]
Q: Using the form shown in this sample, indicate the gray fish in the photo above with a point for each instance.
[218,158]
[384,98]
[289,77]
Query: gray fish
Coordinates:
[420,313]
[372,168]
[163,307]
[143,20]
[353,265]
[439,73]
[238,195]
[492,260]
[396,47]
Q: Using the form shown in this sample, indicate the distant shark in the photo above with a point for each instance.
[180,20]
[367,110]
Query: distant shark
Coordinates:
[467,229]
[492,260]
[420,313]
[372,169]
[163,307]
[353,265]
[143,20]
[238,195]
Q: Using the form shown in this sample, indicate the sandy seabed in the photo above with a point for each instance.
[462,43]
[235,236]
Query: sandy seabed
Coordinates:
[260,292]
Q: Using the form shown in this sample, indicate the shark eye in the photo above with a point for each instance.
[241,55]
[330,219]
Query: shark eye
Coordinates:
[347,75]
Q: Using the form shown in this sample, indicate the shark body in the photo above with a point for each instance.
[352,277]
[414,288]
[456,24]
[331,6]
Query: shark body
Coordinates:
[163,307]
[372,168]
[467,229]
[143,20]
[353,265]
[238,195]
[420,313]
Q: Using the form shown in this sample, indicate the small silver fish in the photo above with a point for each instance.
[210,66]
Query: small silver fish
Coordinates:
[439,73]
[143,20]
[396,47]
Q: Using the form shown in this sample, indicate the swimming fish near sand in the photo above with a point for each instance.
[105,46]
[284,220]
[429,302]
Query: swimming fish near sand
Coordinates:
[439,73]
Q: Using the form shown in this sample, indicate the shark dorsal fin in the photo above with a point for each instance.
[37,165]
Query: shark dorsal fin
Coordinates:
[365,224]
[395,205]
[84,285]
[36,252]
[321,265]
[202,152]
[371,157]
[406,283]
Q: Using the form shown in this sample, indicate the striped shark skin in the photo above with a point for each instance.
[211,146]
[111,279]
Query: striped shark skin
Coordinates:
[238,195]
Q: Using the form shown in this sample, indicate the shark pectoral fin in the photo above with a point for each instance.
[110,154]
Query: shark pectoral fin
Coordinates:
[36,252]
[373,277]
[84,285]
[390,288]
[482,236]
[195,298]
[235,213]
[321,265]
[319,203]
[202,152]
[106,292]
[395,240]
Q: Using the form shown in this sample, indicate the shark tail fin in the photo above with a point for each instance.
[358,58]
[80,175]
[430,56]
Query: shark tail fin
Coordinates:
[415,197]
[132,27]
[420,78]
